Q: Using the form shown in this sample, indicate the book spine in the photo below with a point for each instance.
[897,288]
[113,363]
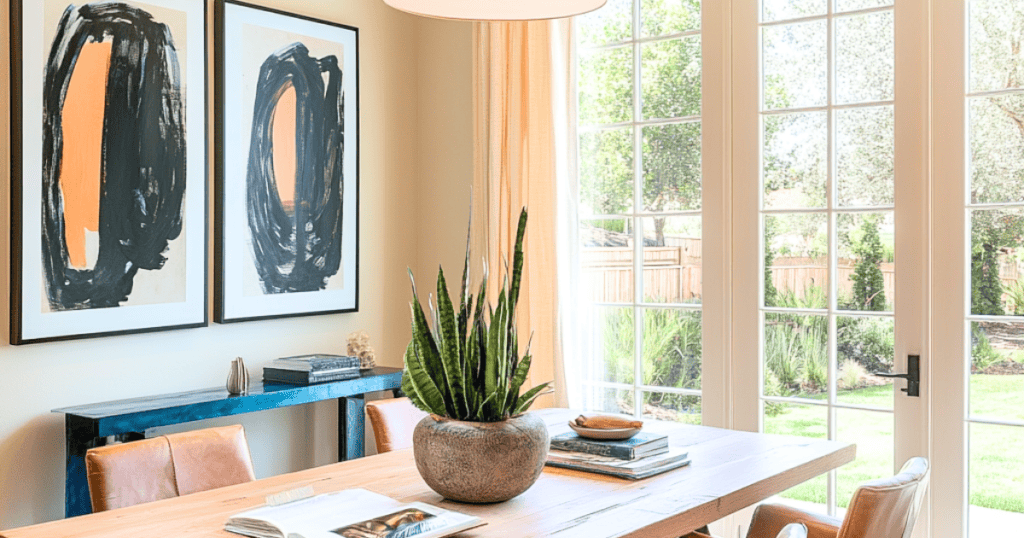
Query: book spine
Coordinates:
[611,451]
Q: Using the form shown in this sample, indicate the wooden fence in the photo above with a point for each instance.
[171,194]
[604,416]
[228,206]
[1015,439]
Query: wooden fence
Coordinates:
[673,274]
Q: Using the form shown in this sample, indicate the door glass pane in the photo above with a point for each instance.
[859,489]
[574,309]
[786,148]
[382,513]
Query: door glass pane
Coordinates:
[852,5]
[795,60]
[796,260]
[867,265]
[673,266]
[996,251]
[672,167]
[606,86]
[795,160]
[665,17]
[996,479]
[671,348]
[608,400]
[804,421]
[865,58]
[606,260]
[865,345]
[672,407]
[606,172]
[997,149]
[611,24]
[609,343]
[865,156]
[996,56]
[775,10]
[671,78]
[997,370]
[873,433]
[796,356]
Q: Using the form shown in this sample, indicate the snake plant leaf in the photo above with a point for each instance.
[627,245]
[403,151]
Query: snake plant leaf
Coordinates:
[451,347]
[518,260]
[526,400]
[426,350]
[422,383]
[410,391]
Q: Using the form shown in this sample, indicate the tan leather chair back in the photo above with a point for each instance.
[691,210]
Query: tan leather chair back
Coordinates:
[167,466]
[211,458]
[393,422]
[888,508]
[130,473]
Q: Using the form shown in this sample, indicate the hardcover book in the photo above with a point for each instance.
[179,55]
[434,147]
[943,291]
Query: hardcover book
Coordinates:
[297,377]
[638,446]
[631,469]
[316,363]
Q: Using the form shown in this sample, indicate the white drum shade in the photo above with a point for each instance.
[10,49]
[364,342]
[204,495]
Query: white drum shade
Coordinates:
[496,10]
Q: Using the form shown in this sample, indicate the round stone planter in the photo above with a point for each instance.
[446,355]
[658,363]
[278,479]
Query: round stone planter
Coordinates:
[480,462]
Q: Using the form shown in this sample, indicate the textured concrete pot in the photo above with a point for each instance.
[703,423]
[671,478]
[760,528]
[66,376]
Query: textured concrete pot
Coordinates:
[480,462]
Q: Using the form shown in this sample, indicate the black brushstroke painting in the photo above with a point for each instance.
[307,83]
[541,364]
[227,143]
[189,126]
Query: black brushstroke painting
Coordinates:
[142,180]
[299,250]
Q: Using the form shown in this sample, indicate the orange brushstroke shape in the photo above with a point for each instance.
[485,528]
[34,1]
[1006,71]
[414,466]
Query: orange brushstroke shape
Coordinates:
[81,156]
[283,140]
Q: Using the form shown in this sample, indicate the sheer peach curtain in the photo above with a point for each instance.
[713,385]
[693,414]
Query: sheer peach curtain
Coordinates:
[524,148]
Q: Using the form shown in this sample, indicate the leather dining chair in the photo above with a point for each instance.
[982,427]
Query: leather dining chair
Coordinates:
[884,508]
[148,470]
[393,422]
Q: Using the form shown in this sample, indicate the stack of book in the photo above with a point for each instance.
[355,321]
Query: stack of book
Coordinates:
[644,454]
[309,369]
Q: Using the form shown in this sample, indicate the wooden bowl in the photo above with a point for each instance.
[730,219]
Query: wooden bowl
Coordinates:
[595,433]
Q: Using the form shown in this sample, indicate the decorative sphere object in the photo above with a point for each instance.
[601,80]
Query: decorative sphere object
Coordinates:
[238,378]
[480,462]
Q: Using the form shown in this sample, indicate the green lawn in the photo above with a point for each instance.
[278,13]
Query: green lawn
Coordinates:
[996,452]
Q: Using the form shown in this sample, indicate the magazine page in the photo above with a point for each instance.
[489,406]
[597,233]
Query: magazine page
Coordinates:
[414,520]
[354,513]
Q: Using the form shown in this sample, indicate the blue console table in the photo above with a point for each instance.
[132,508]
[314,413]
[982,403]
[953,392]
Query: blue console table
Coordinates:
[88,426]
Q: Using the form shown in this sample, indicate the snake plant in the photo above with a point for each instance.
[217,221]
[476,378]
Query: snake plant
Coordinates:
[466,366]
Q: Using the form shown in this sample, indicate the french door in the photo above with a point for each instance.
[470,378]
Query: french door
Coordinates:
[820,189]
[878,213]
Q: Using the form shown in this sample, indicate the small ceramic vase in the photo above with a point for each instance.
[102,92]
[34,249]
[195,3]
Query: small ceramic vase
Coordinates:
[238,378]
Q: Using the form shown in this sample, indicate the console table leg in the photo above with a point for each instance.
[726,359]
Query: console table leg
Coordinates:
[351,426]
[80,436]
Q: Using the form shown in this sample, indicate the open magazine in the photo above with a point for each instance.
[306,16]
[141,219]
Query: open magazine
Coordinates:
[353,513]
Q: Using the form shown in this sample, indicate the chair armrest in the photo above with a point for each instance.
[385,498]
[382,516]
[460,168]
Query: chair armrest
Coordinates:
[769,520]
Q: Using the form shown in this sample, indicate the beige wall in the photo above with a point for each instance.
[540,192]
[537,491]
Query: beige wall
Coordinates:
[415,172]
[445,119]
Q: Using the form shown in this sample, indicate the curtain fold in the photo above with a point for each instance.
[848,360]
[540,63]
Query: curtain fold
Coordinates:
[523,156]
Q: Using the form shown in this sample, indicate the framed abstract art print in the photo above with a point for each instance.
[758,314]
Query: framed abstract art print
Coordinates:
[108,180]
[287,165]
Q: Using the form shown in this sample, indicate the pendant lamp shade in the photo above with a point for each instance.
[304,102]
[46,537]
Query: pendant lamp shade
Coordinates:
[496,10]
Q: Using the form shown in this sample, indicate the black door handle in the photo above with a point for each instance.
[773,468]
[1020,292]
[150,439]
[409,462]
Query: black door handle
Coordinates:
[913,376]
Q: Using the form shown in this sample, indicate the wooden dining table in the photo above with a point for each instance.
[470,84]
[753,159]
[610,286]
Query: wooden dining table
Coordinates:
[730,470]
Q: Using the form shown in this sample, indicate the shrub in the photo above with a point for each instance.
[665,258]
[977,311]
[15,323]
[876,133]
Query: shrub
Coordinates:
[868,341]
[983,354]
[850,374]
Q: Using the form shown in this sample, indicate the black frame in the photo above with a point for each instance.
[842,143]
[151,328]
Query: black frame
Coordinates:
[219,163]
[17,185]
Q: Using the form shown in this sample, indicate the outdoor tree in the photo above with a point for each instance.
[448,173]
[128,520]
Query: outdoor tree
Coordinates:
[868,282]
